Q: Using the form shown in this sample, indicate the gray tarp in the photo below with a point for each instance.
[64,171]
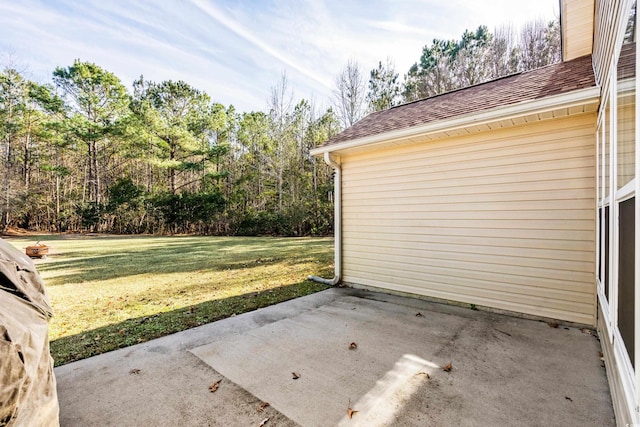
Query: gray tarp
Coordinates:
[27,384]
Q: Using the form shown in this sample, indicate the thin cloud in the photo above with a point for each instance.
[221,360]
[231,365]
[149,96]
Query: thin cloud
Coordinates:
[236,50]
[400,28]
[241,31]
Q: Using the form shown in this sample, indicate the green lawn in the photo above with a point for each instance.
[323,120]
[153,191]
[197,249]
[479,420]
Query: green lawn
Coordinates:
[109,292]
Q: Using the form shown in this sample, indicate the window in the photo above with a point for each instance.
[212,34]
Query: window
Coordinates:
[625,130]
[626,111]
[626,276]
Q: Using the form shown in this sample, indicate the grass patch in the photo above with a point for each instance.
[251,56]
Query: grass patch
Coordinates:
[110,292]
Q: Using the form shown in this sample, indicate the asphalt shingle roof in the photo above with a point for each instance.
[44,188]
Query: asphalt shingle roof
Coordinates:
[525,86]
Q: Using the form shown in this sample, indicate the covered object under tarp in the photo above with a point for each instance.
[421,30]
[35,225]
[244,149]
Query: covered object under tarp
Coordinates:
[27,384]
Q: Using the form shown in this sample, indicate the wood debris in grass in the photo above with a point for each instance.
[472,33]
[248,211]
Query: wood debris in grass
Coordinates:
[262,406]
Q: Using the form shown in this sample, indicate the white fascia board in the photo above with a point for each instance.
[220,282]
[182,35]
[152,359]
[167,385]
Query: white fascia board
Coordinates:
[579,97]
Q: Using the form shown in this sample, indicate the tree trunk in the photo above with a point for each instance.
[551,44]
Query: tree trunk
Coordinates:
[172,171]
[92,183]
[96,173]
[7,186]
[90,177]
[280,163]
[26,172]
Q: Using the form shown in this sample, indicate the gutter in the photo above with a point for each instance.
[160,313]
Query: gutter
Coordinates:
[337,224]
[566,100]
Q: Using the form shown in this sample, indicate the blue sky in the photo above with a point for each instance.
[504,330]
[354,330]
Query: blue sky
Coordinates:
[237,50]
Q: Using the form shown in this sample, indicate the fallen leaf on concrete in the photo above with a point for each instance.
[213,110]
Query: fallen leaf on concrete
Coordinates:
[295,375]
[353,346]
[447,367]
[134,371]
[418,314]
[266,420]
[586,331]
[262,406]
[350,411]
[424,373]
[568,398]
[214,387]
[553,324]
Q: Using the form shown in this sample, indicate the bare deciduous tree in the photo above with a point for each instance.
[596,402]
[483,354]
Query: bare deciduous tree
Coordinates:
[280,105]
[349,94]
[503,53]
[539,44]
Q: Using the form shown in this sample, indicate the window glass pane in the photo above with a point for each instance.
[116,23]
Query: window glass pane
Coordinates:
[599,163]
[607,152]
[626,261]
[601,247]
[630,31]
[605,224]
[625,121]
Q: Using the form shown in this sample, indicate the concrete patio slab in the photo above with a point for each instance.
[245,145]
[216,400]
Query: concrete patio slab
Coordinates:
[506,371]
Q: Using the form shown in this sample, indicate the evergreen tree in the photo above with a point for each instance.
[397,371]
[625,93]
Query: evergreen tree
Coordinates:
[384,87]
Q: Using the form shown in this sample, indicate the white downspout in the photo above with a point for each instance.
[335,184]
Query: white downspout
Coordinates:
[337,227]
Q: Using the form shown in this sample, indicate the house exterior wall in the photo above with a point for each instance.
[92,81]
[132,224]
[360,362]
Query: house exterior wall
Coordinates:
[577,25]
[504,219]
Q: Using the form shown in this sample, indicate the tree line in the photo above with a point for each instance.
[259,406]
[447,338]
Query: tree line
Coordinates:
[84,153]
[446,65]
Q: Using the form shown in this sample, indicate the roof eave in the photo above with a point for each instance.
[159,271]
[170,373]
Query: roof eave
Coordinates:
[581,97]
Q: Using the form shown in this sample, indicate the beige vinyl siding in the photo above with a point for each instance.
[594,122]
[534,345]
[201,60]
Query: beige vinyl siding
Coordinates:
[577,22]
[504,218]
